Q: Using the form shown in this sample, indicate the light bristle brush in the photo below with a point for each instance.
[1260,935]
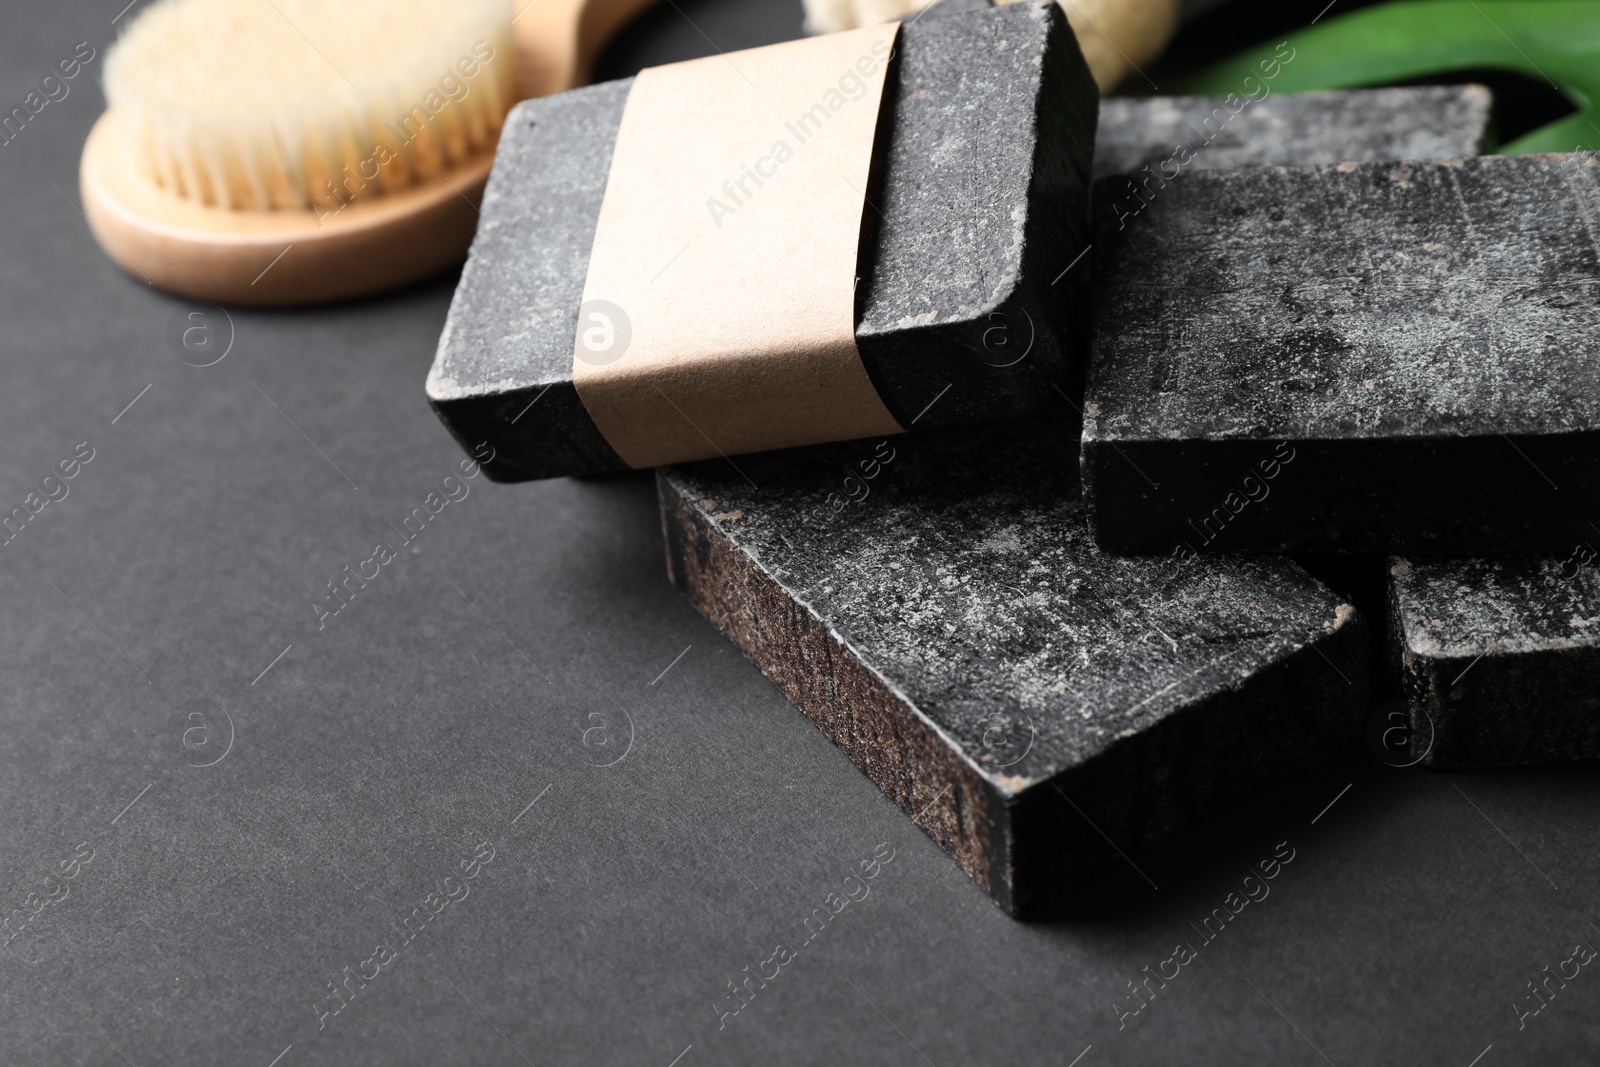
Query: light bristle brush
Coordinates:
[276,152]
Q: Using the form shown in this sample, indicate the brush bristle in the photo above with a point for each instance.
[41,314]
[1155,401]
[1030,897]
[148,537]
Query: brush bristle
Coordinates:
[261,105]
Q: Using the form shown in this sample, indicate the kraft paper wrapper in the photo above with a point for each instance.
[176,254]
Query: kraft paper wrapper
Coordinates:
[719,320]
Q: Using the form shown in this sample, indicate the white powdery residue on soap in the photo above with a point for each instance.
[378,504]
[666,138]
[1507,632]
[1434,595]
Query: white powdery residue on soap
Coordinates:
[1006,541]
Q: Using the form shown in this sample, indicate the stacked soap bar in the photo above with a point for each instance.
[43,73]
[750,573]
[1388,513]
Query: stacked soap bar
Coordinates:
[1164,135]
[934,604]
[977,205]
[937,606]
[1499,657]
[1378,357]
[1412,344]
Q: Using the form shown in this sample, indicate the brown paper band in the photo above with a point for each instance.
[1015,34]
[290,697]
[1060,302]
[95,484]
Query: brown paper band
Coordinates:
[719,307]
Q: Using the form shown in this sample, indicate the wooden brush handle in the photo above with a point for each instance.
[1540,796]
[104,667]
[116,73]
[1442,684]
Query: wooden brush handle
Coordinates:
[557,40]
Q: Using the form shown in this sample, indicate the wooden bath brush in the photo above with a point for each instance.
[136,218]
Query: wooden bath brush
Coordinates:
[282,152]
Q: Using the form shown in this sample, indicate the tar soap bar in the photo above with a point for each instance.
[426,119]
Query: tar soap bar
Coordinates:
[1357,357]
[976,205]
[1499,658]
[1168,135]
[936,606]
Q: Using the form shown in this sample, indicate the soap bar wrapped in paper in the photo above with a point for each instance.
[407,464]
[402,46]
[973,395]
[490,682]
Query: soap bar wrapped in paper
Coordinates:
[845,236]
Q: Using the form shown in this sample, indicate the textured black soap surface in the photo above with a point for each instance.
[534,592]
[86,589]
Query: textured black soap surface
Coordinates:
[967,562]
[1422,335]
[1499,657]
[977,203]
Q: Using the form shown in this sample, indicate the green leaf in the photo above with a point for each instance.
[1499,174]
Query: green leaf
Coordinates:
[1554,41]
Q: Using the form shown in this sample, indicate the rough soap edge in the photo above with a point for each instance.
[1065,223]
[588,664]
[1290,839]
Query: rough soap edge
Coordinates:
[1220,768]
[862,713]
[1499,683]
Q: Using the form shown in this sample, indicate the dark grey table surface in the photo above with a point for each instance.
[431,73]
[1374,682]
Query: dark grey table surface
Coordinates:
[249,805]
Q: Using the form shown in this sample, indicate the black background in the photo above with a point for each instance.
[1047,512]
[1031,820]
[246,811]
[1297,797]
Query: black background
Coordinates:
[374,755]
